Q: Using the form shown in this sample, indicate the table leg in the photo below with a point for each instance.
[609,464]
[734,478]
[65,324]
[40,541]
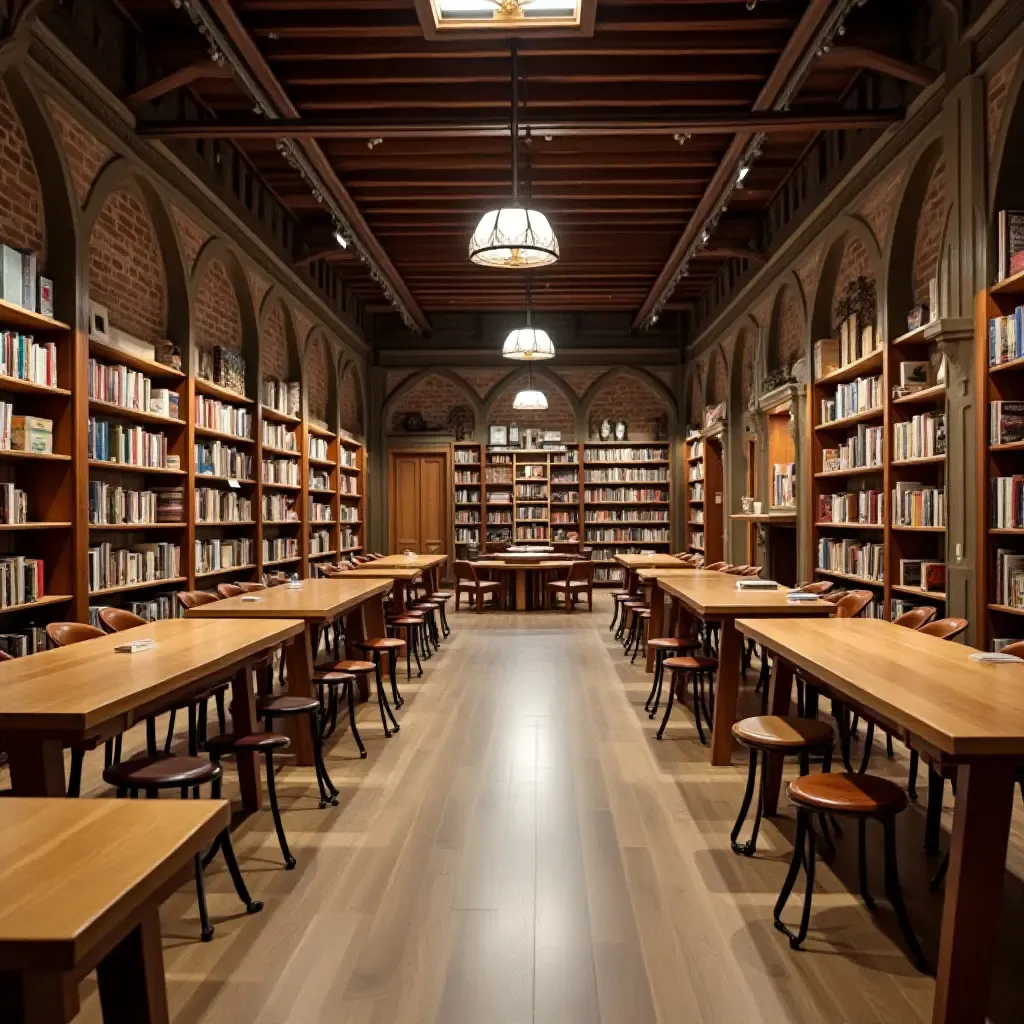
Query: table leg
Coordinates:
[243,720]
[298,657]
[131,976]
[520,590]
[974,891]
[780,694]
[398,590]
[38,997]
[37,766]
[727,688]
[657,620]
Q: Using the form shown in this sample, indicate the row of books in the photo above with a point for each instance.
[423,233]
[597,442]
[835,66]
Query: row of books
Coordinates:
[465,515]
[320,512]
[319,448]
[856,341]
[499,497]
[27,641]
[632,515]
[348,514]
[152,609]
[467,496]
[565,536]
[283,396]
[532,470]
[866,507]
[564,517]
[277,548]
[499,536]
[565,478]
[214,414]
[349,538]
[223,366]
[565,497]
[1010,243]
[348,486]
[130,389]
[214,458]
[497,518]
[783,484]
[915,504]
[625,475]
[13,505]
[320,542]
[1005,422]
[217,553]
[318,480]
[608,554]
[1009,578]
[858,558]
[695,472]
[861,395]
[112,505]
[924,573]
[531,492]
[465,456]
[532,512]
[634,534]
[1006,337]
[643,454]
[467,476]
[348,458]
[860,450]
[21,284]
[142,563]
[696,492]
[1007,502]
[625,494]
[21,580]
[498,475]
[697,539]
[531,533]
[280,471]
[22,357]
[697,517]
[467,536]
[214,505]
[279,508]
[126,445]
[920,437]
[277,435]
[609,574]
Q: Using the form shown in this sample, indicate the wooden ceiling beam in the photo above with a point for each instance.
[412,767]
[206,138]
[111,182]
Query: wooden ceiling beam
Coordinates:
[187,75]
[860,57]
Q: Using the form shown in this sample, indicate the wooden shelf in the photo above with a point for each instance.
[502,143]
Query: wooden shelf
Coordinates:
[110,409]
[1009,446]
[319,431]
[925,460]
[203,478]
[849,576]
[320,463]
[12,315]
[222,572]
[222,435]
[1012,364]
[283,487]
[12,527]
[858,368]
[914,337]
[280,451]
[850,526]
[10,453]
[833,474]
[1007,531]
[229,524]
[1012,285]
[919,529]
[134,527]
[353,497]
[859,417]
[279,417]
[42,602]
[320,490]
[28,387]
[322,554]
[150,367]
[934,595]
[285,561]
[208,388]
[124,467]
[924,397]
[282,522]
[124,588]
[1005,609]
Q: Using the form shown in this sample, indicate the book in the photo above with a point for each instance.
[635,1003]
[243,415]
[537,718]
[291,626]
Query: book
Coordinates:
[910,572]
[28,279]
[45,296]
[917,317]
[32,434]
[915,374]
[826,357]
[934,576]
[1010,234]
[10,275]
[1006,422]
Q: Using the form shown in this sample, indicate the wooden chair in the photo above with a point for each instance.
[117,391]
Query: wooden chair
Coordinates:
[717,566]
[467,582]
[915,618]
[225,590]
[578,580]
[945,629]
[116,619]
[819,587]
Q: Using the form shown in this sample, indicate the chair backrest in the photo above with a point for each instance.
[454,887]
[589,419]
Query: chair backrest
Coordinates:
[194,598]
[464,570]
[752,570]
[834,596]
[371,557]
[250,588]
[735,570]
[276,579]
[62,634]
[229,590]
[915,618]
[852,603]
[376,554]
[4,656]
[360,559]
[946,629]
[1016,649]
[718,566]
[116,619]
[818,587]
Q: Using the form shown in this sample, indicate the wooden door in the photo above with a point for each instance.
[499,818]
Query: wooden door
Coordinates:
[405,503]
[433,504]
[419,502]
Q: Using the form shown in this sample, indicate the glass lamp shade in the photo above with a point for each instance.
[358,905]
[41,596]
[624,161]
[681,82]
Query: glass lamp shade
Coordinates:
[528,343]
[530,399]
[515,238]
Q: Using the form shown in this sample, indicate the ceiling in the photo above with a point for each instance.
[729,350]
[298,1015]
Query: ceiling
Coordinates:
[415,131]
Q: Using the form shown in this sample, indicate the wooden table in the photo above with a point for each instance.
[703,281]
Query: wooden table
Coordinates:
[80,890]
[402,577]
[87,692]
[717,600]
[520,571]
[960,713]
[649,579]
[425,563]
[315,603]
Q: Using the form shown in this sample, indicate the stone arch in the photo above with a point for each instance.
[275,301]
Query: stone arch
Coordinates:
[563,406]
[787,326]
[320,378]
[1006,162]
[351,399]
[903,260]
[640,393]
[451,391]
[123,201]
[278,347]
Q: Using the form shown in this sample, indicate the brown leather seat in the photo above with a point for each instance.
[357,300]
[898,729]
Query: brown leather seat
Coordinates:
[406,619]
[853,793]
[194,598]
[691,663]
[225,590]
[382,643]
[287,705]
[945,629]
[160,771]
[63,634]
[778,732]
[671,643]
[228,742]
[350,666]
[117,619]
[251,588]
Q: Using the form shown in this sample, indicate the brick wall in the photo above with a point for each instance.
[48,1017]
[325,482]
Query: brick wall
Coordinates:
[190,237]
[559,414]
[259,286]
[316,369]
[624,397]
[997,94]
[350,415]
[879,205]
[580,379]
[395,377]
[274,345]
[21,205]
[85,154]
[719,380]
[126,272]
[928,238]
[855,262]
[217,318]
[433,397]
[482,381]
[791,331]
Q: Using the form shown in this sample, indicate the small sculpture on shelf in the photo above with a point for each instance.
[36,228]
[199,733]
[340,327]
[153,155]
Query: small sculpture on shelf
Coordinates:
[413,423]
[777,378]
[169,354]
[460,421]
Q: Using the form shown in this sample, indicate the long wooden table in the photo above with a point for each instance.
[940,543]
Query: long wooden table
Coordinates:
[402,577]
[81,883]
[656,599]
[315,603]
[87,692]
[717,599]
[428,564]
[520,572]
[961,713]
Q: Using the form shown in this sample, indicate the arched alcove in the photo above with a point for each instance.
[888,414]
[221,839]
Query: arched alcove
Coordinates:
[787,329]
[633,396]
[350,400]
[714,377]
[22,220]
[320,380]
[279,353]
[851,253]
[432,394]
[560,414]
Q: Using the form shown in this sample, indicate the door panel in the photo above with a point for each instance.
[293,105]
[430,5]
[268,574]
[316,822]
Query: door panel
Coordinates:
[433,504]
[405,503]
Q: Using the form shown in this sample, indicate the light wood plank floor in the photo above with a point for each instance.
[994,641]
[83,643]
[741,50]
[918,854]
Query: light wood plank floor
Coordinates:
[524,851]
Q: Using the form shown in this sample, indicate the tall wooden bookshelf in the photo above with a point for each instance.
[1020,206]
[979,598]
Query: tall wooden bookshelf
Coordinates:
[322,494]
[532,497]
[351,495]
[693,457]
[284,492]
[566,499]
[468,488]
[499,501]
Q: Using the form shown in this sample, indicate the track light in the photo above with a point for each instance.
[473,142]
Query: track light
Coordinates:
[341,239]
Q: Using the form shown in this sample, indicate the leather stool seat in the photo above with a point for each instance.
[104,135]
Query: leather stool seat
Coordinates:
[776,732]
[351,667]
[851,793]
[286,705]
[667,643]
[691,663]
[442,595]
[412,619]
[382,643]
[227,742]
[160,771]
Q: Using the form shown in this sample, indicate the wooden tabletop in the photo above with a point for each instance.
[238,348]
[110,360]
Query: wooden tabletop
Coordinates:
[371,572]
[517,566]
[667,574]
[714,594]
[414,561]
[649,561]
[315,599]
[71,690]
[72,871]
[927,685]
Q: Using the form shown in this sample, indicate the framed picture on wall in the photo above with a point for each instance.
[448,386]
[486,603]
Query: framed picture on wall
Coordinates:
[497,435]
[513,434]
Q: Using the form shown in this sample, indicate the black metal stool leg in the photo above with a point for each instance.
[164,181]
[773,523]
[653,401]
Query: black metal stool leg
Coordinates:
[912,777]
[654,684]
[862,863]
[321,767]
[933,817]
[895,894]
[289,860]
[745,806]
[383,695]
[794,870]
[251,906]
[206,929]
[392,661]
[668,706]
[695,676]
[350,691]
[411,644]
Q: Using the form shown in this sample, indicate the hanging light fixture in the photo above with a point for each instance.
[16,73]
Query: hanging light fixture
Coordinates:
[530,399]
[528,343]
[514,236]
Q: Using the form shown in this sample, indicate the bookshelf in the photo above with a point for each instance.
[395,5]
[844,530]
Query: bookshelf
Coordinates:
[322,494]
[499,488]
[566,499]
[693,457]
[713,465]
[468,488]
[532,497]
[351,495]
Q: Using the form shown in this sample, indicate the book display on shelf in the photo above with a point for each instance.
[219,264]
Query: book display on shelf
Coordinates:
[468,477]
[693,458]
[351,494]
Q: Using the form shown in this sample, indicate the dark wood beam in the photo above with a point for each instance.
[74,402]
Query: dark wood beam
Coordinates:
[859,57]
[699,123]
[199,71]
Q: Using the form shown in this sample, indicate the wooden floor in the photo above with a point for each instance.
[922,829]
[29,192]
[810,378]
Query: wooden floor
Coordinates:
[525,851]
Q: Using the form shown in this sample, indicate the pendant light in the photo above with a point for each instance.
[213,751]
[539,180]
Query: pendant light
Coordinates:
[528,343]
[514,236]
[530,399]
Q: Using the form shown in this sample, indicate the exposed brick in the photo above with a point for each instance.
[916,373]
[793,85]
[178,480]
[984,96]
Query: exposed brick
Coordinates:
[482,381]
[303,326]
[190,237]
[579,378]
[807,271]
[216,314]
[316,369]
[791,331]
[85,154]
[878,208]
[21,204]
[997,93]
[928,237]
[623,397]
[719,379]
[696,406]
[559,414]
[855,262]
[274,345]
[350,401]
[763,313]
[259,286]
[126,272]
[395,377]
[433,397]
